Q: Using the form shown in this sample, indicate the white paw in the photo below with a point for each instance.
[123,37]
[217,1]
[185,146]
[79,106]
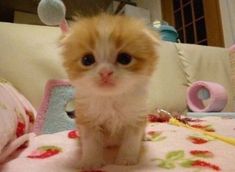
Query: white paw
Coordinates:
[126,160]
[91,164]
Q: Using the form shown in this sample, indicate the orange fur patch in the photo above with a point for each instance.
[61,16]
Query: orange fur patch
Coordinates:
[109,35]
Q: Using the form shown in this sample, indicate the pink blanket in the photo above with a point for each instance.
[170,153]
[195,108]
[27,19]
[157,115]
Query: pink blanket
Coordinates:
[16,119]
[165,148]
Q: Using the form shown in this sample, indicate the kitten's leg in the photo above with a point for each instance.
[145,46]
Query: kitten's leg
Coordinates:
[92,148]
[130,146]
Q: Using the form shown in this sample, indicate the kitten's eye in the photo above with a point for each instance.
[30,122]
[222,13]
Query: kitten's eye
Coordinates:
[124,58]
[88,60]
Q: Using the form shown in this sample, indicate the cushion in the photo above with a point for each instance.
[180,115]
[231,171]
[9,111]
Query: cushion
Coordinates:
[168,85]
[232,61]
[29,58]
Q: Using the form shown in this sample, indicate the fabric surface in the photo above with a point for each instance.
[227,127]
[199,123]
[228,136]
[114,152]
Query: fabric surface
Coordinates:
[16,119]
[165,148]
[168,79]
[232,61]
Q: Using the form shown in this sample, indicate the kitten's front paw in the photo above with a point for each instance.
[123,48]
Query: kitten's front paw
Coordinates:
[126,160]
[91,164]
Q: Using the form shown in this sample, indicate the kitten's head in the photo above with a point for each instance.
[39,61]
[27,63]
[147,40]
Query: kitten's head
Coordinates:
[109,54]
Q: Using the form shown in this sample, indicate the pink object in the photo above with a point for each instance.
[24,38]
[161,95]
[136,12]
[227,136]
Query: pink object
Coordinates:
[64,26]
[218,97]
[16,119]
[232,49]
[51,84]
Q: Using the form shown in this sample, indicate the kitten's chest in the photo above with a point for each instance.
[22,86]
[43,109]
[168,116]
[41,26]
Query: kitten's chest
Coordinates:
[115,111]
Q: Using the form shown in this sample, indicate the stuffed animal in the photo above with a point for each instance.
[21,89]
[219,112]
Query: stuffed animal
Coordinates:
[52,12]
[55,113]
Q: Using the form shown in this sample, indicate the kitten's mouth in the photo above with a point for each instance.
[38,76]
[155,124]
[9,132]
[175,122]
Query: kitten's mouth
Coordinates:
[106,83]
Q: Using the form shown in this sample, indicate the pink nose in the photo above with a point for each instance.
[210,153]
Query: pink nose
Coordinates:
[105,73]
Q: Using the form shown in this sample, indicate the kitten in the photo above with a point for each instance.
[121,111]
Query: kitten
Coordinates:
[109,60]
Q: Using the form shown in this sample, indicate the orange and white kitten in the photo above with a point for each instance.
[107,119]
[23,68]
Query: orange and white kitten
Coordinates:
[109,60]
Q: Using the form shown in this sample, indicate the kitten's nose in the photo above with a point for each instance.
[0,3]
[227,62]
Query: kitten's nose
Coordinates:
[105,73]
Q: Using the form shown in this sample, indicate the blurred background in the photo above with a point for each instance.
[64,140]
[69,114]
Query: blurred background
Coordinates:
[204,22]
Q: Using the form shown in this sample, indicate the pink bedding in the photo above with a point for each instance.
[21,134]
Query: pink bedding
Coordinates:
[165,148]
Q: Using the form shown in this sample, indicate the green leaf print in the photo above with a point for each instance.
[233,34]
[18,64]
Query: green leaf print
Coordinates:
[166,164]
[175,155]
[3,106]
[186,163]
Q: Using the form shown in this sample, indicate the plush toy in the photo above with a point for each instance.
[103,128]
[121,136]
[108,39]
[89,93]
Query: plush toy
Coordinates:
[52,12]
[54,115]
[56,111]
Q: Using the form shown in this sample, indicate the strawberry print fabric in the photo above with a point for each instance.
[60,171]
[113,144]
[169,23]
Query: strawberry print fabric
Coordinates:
[165,148]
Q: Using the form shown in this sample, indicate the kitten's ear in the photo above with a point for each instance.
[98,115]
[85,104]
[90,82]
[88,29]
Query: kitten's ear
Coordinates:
[64,36]
[153,35]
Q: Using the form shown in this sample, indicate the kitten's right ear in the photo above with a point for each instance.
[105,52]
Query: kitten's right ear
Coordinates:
[66,31]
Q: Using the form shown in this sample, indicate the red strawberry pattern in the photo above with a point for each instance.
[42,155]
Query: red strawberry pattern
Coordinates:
[197,140]
[158,118]
[20,130]
[203,127]
[44,152]
[152,118]
[23,146]
[204,164]
[202,153]
[73,134]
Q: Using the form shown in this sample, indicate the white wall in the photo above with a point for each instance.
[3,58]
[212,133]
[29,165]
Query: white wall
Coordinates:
[227,8]
[133,11]
[138,12]
[154,6]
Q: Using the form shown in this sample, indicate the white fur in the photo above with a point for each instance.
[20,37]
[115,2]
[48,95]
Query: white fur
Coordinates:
[120,116]
[115,110]
[113,114]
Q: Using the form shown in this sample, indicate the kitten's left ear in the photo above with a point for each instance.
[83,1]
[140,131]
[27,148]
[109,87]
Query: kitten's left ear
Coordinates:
[154,36]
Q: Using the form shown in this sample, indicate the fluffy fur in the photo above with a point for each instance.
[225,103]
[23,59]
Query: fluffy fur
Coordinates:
[110,110]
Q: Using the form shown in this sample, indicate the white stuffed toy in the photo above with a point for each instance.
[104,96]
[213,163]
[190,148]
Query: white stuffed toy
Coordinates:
[52,13]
